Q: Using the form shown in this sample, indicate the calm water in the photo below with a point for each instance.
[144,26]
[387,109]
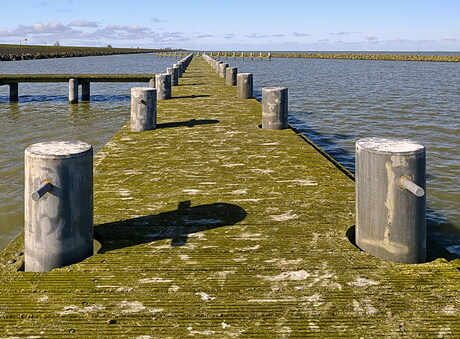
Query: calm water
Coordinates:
[334,102]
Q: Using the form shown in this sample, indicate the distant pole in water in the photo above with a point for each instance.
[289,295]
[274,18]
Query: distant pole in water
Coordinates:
[73,91]
[390,199]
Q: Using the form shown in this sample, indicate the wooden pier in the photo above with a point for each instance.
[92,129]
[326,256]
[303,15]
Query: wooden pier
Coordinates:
[212,227]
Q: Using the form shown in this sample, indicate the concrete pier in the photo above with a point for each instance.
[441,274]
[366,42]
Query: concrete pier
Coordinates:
[390,216]
[58,202]
[212,227]
[244,86]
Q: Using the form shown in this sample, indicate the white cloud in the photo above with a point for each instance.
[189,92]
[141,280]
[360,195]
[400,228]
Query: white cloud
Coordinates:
[297,34]
[83,23]
[371,38]
[449,38]
[341,33]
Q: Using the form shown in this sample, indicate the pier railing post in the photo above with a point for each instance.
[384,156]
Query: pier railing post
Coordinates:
[85,91]
[230,76]
[244,86]
[274,108]
[73,91]
[163,86]
[14,92]
[143,109]
[390,199]
[58,204]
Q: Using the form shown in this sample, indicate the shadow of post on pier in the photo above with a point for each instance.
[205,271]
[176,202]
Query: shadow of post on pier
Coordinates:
[176,225]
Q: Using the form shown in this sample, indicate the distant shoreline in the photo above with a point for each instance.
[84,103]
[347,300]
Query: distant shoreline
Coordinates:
[340,55]
[34,52]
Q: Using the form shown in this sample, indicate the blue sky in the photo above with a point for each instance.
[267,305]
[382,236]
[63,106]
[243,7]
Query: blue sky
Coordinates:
[347,25]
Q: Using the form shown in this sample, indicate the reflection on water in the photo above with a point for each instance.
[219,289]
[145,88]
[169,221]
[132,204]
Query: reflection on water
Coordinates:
[337,102]
[43,113]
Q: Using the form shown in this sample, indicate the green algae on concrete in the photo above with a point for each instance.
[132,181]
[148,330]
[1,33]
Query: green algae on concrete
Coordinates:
[212,227]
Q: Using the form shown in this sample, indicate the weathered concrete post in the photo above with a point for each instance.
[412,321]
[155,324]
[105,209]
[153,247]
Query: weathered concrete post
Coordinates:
[230,76]
[244,86]
[58,204]
[152,83]
[222,68]
[176,76]
[14,92]
[85,91]
[163,86]
[174,80]
[73,91]
[390,199]
[274,108]
[143,109]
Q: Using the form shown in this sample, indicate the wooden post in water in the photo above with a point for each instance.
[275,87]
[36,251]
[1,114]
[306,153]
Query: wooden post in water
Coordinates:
[143,109]
[163,86]
[230,76]
[85,91]
[274,108]
[73,91]
[244,86]
[14,92]
[390,199]
[58,204]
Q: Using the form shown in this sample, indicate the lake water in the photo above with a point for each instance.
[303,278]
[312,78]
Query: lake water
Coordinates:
[333,102]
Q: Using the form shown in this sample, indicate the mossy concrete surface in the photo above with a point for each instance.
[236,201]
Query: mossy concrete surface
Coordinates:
[213,227]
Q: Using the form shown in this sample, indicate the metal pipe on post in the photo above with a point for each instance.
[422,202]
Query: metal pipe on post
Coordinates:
[274,108]
[58,204]
[163,86]
[14,92]
[390,199]
[230,76]
[244,86]
[73,91]
[143,109]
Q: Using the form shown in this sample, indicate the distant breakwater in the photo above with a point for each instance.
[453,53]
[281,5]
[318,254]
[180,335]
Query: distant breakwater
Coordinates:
[348,56]
[18,52]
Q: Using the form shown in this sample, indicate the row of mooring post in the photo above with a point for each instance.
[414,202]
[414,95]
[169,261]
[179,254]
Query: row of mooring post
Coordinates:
[390,190]
[390,181]
[59,187]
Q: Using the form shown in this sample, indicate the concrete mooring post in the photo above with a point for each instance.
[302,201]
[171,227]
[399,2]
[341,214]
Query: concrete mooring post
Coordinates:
[390,199]
[85,91]
[163,86]
[14,92]
[222,68]
[244,86]
[58,204]
[143,109]
[152,83]
[230,76]
[170,71]
[73,91]
[274,108]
